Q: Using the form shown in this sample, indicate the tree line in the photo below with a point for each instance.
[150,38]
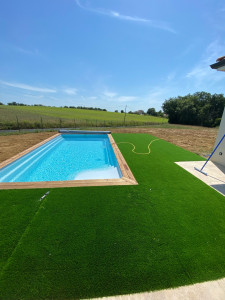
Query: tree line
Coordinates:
[150,111]
[201,108]
[75,107]
[84,107]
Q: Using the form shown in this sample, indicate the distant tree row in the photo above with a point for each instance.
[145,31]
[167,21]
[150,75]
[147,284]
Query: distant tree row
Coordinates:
[150,112]
[84,107]
[153,112]
[22,104]
[200,108]
[78,107]
[16,104]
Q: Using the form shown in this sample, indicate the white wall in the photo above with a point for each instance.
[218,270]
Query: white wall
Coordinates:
[217,158]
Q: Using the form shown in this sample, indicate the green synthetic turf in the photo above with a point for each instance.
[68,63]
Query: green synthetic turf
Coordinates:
[98,241]
[16,212]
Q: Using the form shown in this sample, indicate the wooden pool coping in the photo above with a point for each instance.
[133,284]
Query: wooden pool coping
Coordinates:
[126,179]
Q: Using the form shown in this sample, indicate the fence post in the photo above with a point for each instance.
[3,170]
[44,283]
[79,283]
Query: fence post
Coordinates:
[60,123]
[17,122]
[41,123]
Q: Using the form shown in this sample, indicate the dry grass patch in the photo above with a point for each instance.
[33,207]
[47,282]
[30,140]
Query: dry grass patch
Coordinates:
[14,144]
[198,140]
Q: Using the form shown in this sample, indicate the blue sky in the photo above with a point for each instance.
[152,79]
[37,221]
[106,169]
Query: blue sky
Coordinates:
[109,54]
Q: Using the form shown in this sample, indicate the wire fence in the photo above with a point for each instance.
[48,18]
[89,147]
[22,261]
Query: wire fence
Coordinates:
[18,124]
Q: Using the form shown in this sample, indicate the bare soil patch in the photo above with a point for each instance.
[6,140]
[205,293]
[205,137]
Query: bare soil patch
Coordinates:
[195,139]
[11,145]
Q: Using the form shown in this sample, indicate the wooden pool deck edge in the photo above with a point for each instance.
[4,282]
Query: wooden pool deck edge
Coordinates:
[126,171]
[126,179]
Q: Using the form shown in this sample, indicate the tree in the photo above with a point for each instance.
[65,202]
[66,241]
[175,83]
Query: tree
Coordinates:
[12,103]
[139,112]
[116,110]
[201,108]
[160,114]
[1,103]
[152,112]
[122,111]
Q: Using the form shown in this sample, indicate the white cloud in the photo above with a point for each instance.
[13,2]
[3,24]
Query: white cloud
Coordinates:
[188,49]
[198,72]
[27,87]
[70,91]
[171,76]
[26,51]
[201,73]
[109,94]
[158,95]
[126,98]
[114,14]
[28,95]
[117,98]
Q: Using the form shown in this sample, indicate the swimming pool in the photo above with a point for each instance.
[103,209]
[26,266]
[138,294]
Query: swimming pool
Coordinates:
[65,158]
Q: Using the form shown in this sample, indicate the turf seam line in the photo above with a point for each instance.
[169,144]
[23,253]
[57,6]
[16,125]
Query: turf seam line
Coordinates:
[182,265]
[21,238]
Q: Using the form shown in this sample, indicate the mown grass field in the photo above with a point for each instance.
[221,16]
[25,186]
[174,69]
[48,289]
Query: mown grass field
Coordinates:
[86,242]
[46,117]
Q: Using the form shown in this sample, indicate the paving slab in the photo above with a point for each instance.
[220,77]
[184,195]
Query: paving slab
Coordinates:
[215,173]
[210,290]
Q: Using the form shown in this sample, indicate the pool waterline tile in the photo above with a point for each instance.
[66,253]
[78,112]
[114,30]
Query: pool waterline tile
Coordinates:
[126,179]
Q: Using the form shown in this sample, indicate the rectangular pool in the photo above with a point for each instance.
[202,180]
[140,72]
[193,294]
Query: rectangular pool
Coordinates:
[66,157]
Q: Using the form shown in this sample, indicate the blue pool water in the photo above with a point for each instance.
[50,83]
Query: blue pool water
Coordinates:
[66,157]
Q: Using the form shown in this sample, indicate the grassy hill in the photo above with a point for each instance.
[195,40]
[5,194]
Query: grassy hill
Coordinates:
[14,117]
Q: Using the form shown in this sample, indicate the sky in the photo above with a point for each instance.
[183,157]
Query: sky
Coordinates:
[109,54]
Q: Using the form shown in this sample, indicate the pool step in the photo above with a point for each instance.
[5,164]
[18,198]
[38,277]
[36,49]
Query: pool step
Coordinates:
[34,157]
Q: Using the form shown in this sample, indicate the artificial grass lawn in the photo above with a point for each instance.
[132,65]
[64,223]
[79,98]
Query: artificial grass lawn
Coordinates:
[97,241]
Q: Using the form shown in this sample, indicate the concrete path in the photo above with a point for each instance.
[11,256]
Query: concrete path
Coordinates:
[210,290]
[215,174]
